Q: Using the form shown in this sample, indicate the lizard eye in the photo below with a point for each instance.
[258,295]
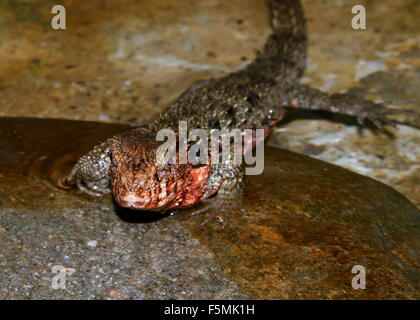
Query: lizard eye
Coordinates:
[214,123]
[253,99]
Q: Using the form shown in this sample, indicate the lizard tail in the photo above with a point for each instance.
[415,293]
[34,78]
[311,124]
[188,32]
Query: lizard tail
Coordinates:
[288,41]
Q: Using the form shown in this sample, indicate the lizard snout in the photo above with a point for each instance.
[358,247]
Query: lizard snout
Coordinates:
[130,197]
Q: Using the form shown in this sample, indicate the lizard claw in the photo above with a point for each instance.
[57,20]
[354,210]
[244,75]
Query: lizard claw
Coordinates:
[379,114]
[221,209]
[91,189]
[87,187]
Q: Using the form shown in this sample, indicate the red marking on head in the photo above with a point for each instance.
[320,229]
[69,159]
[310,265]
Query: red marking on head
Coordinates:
[138,182]
[171,193]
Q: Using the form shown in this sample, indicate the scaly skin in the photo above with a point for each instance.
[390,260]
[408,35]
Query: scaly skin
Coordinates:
[255,97]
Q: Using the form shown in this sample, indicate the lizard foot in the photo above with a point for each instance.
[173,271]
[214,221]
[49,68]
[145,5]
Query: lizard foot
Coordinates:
[97,189]
[379,114]
[221,209]
[92,189]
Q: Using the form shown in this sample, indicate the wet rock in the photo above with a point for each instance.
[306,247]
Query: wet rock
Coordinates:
[307,224]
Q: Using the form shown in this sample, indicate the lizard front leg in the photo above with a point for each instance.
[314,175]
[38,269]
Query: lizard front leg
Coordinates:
[229,195]
[305,97]
[91,172]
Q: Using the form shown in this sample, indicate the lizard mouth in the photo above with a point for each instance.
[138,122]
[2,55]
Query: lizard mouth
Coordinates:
[135,201]
[173,193]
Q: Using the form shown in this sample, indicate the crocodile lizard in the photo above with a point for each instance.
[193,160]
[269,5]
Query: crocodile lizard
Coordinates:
[257,96]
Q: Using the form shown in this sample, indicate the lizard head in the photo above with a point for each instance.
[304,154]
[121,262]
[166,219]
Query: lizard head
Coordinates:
[139,182]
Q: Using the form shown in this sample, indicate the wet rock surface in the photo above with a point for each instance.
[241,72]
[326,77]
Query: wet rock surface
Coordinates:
[307,224]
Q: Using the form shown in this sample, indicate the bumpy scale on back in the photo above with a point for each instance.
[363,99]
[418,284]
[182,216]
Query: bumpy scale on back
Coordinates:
[255,97]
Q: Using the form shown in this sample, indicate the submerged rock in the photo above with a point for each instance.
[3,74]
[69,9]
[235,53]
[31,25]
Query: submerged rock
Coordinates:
[308,223]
